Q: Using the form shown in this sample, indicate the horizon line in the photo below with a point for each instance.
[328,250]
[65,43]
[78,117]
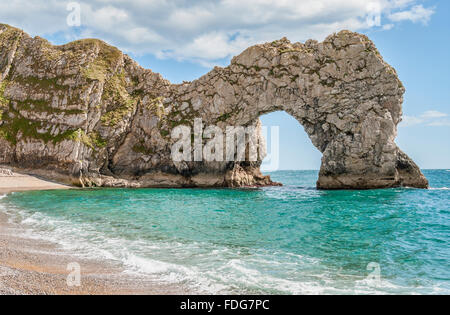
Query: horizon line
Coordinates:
[284,170]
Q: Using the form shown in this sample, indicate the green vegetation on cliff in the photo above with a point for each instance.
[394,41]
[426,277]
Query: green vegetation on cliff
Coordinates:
[20,127]
[141,148]
[119,101]
[41,84]
[92,139]
[105,62]
[45,107]
[4,102]
[10,35]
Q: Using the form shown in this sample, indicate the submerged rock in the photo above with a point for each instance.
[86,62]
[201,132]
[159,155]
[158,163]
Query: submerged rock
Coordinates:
[87,114]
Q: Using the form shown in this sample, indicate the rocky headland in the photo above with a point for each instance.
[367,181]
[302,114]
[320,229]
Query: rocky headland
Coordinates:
[86,114]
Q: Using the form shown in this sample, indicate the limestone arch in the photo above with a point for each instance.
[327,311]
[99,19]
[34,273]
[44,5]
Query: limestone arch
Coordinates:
[341,91]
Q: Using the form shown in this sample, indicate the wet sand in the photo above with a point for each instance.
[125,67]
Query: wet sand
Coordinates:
[35,267]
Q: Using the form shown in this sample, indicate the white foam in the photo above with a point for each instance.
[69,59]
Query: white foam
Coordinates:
[204,267]
[149,266]
[226,276]
[82,240]
[239,274]
[442,188]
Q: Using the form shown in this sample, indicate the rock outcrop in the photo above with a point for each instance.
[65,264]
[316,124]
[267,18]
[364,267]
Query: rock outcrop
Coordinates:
[87,114]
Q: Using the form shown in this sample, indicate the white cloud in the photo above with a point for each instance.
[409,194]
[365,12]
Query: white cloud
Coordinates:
[415,14]
[207,31]
[430,118]
[409,121]
[433,114]
[440,123]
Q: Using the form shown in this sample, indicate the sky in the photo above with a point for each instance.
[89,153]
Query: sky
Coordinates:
[184,39]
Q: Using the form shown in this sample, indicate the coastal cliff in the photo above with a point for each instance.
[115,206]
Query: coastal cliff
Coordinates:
[86,114]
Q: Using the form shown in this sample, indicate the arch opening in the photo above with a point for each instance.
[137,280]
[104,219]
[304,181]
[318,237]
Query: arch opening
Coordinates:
[293,151]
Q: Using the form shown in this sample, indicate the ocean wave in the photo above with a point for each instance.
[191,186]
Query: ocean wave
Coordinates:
[203,266]
[81,240]
[442,188]
[212,272]
[148,266]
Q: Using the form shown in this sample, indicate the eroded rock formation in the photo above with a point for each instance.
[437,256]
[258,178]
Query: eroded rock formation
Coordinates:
[87,114]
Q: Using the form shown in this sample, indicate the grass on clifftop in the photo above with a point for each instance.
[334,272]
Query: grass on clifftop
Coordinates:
[105,62]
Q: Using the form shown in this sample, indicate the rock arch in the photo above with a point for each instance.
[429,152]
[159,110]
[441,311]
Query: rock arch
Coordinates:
[87,112]
[341,91]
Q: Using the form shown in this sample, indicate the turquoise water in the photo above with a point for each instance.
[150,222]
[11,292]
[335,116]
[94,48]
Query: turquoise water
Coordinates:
[281,240]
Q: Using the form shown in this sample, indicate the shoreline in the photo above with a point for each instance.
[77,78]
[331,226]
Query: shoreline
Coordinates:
[12,181]
[37,267]
[30,266]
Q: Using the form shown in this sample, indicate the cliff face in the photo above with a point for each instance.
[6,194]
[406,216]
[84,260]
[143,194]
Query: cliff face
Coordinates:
[87,114]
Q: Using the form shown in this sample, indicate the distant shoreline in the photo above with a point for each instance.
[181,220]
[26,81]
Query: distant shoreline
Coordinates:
[11,181]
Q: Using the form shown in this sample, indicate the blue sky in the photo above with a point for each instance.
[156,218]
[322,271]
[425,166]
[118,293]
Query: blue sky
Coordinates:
[421,55]
[183,40]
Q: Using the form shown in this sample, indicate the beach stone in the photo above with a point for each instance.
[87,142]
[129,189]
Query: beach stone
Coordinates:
[90,114]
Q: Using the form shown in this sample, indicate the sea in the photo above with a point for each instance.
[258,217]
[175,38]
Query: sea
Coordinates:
[276,240]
